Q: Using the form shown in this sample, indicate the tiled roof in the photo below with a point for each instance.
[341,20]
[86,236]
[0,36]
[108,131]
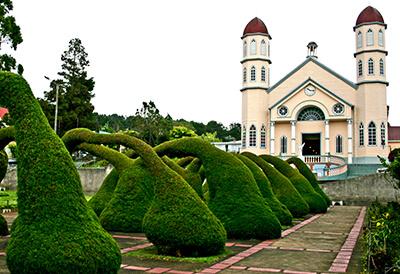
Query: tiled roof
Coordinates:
[369,15]
[394,133]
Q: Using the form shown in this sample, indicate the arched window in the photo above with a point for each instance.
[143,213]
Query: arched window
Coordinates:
[244,49]
[311,114]
[360,68]
[339,144]
[383,134]
[370,66]
[253,73]
[253,47]
[252,136]
[381,67]
[359,39]
[371,134]
[262,137]
[244,75]
[243,137]
[380,38]
[370,37]
[361,134]
[283,145]
[263,48]
[263,74]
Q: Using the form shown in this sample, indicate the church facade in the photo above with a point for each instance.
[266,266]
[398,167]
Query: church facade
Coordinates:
[313,110]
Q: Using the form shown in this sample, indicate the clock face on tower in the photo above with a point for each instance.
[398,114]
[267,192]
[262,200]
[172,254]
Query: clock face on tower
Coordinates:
[309,90]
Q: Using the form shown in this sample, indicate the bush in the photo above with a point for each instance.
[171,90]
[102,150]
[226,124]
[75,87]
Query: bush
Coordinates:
[178,222]
[307,173]
[3,164]
[233,193]
[280,210]
[56,231]
[99,201]
[282,187]
[3,226]
[316,203]
[393,154]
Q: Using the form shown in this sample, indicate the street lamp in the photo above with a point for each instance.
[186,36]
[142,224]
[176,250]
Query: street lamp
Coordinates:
[56,111]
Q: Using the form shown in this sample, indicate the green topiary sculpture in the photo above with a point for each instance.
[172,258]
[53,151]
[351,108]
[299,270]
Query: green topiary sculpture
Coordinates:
[56,231]
[233,193]
[280,210]
[3,164]
[282,187]
[178,222]
[307,173]
[316,203]
[3,226]
[6,136]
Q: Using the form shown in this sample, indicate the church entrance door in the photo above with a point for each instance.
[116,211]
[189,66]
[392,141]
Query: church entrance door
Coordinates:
[312,143]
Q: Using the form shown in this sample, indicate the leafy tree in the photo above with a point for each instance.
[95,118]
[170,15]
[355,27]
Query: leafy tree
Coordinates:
[75,91]
[210,137]
[234,131]
[10,33]
[179,132]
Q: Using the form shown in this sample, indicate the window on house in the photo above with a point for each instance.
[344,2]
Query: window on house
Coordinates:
[263,74]
[244,49]
[383,134]
[244,75]
[360,68]
[339,144]
[370,37]
[253,47]
[381,67]
[243,137]
[262,137]
[371,134]
[252,136]
[359,39]
[361,134]
[380,38]
[370,66]
[263,48]
[253,73]
[283,145]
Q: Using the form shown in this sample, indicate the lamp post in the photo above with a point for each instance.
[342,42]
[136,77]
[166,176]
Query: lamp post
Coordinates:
[56,111]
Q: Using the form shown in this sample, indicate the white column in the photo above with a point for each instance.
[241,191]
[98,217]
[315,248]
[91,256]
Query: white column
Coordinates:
[272,139]
[293,137]
[327,143]
[350,141]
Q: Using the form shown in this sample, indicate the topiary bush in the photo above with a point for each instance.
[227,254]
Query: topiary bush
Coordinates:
[3,164]
[3,226]
[307,173]
[56,231]
[178,222]
[283,189]
[280,210]
[393,154]
[6,136]
[233,193]
[316,203]
[99,201]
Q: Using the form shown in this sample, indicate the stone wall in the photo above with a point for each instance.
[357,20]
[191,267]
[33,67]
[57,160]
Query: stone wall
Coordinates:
[362,190]
[91,178]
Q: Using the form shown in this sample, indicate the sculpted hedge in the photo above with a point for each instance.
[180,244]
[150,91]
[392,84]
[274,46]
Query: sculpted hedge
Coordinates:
[56,231]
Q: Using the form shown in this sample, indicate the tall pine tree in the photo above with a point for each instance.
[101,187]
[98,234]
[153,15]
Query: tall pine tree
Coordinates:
[75,91]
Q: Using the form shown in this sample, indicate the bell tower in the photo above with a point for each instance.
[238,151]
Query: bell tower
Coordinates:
[371,114]
[255,82]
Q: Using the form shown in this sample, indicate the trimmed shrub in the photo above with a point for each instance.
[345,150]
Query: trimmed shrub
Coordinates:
[56,231]
[3,226]
[283,189]
[280,210]
[183,162]
[3,164]
[99,201]
[7,135]
[233,193]
[316,203]
[178,222]
[393,154]
[307,173]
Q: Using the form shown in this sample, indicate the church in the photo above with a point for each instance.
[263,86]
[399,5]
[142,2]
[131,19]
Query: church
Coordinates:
[314,112]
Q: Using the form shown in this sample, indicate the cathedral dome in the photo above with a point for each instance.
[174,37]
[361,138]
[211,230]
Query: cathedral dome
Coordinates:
[369,15]
[256,25]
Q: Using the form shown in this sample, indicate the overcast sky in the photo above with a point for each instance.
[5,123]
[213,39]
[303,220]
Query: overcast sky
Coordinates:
[185,55]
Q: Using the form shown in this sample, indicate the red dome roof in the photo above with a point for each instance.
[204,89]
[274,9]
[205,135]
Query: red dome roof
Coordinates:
[256,25]
[3,112]
[369,15]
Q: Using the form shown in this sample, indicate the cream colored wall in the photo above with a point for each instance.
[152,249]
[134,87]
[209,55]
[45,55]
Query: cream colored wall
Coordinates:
[258,65]
[394,145]
[282,129]
[375,28]
[318,74]
[338,128]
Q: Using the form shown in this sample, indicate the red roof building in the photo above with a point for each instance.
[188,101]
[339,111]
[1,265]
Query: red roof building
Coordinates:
[394,134]
[3,112]
[369,15]
[256,26]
